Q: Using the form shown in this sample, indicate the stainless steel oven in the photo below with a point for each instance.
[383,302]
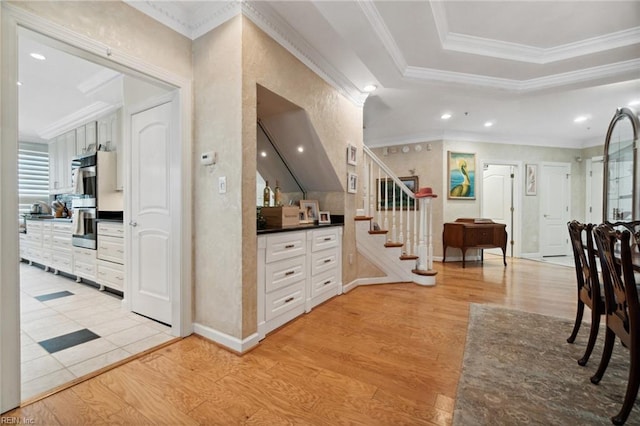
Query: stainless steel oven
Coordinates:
[85,229]
[84,179]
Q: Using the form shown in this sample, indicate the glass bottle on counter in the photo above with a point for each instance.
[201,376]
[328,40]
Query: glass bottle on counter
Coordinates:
[277,195]
[266,195]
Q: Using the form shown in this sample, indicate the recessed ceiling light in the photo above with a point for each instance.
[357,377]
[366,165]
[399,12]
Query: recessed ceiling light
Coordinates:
[38,56]
[634,103]
[370,88]
[445,116]
[580,119]
[488,124]
[300,149]
[263,154]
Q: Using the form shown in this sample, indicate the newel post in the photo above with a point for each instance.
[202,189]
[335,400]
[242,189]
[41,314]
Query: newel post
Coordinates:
[425,275]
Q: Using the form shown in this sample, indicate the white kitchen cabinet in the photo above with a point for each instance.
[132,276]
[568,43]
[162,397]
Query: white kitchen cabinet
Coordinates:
[110,256]
[61,152]
[61,248]
[297,270]
[86,139]
[84,263]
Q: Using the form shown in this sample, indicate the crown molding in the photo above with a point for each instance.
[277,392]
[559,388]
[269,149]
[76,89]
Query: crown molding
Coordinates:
[261,14]
[98,81]
[524,53]
[77,118]
[382,31]
[523,86]
[206,17]
[461,136]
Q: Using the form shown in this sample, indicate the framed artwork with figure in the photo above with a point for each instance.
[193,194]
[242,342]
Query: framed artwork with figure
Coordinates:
[531,179]
[461,175]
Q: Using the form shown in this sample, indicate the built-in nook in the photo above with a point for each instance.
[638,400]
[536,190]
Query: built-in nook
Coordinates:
[289,151]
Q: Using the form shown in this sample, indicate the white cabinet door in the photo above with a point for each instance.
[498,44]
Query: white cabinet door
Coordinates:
[81,140]
[154,264]
[53,166]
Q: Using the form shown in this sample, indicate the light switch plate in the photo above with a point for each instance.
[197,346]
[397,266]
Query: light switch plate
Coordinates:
[222,184]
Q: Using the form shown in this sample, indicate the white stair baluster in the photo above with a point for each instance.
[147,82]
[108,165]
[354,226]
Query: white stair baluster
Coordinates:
[394,231]
[401,236]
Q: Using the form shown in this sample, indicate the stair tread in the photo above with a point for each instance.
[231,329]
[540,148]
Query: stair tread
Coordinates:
[424,272]
[362,218]
[393,244]
[409,257]
[379,231]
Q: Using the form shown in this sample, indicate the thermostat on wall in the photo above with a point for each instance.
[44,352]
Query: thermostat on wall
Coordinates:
[208,158]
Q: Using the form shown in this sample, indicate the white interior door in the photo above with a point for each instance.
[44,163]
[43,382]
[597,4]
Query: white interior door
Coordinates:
[555,205]
[153,270]
[497,197]
[595,186]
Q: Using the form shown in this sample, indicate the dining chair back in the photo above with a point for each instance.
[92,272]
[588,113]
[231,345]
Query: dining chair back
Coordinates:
[622,308]
[588,283]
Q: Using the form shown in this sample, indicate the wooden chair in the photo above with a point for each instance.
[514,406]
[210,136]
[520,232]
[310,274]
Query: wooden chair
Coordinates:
[622,309]
[589,293]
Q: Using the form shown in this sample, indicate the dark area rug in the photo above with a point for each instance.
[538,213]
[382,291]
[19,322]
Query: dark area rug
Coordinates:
[519,369]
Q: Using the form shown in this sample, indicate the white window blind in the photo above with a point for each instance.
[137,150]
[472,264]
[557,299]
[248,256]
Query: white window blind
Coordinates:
[33,174]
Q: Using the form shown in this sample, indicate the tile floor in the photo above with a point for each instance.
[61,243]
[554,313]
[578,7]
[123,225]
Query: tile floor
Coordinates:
[57,313]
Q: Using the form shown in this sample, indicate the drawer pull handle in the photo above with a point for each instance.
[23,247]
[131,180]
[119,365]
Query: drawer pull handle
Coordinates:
[327,282]
[286,274]
[118,278]
[327,260]
[288,299]
[288,246]
[120,251]
[327,239]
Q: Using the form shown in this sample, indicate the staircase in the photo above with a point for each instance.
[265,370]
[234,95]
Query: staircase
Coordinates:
[393,230]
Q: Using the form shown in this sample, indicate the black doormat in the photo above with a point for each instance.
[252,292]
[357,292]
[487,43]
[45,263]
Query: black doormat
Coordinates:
[69,340]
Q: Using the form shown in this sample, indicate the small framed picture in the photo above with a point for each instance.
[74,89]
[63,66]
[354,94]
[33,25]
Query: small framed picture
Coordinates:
[311,209]
[531,185]
[325,217]
[302,216]
[352,155]
[352,183]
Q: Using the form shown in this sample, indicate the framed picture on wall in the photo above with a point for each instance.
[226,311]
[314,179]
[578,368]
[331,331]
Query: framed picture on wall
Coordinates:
[385,193]
[531,179]
[461,175]
[352,183]
[352,155]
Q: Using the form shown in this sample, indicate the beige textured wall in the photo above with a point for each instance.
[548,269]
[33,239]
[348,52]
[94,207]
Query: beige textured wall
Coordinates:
[431,169]
[122,28]
[336,120]
[218,251]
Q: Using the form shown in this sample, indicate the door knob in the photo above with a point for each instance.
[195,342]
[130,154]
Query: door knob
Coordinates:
[133,223]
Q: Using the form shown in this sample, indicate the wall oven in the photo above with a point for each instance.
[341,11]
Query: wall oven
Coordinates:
[84,179]
[84,228]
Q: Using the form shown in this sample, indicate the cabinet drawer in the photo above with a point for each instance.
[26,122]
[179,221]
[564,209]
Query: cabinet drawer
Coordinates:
[325,282]
[59,241]
[286,246]
[84,255]
[110,248]
[62,227]
[323,261]
[62,261]
[283,300]
[34,225]
[110,274]
[46,240]
[84,270]
[283,273]
[324,239]
[113,229]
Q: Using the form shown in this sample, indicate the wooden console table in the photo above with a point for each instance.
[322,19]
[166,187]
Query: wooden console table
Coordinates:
[474,233]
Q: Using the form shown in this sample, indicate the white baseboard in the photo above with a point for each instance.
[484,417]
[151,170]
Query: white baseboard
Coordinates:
[529,255]
[223,339]
[369,281]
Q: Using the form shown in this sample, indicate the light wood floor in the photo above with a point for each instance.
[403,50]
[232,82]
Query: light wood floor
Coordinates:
[379,355]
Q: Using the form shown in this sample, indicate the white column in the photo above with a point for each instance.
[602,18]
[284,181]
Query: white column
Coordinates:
[422,246]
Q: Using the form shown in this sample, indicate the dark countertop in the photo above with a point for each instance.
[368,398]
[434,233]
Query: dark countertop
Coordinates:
[296,228]
[50,219]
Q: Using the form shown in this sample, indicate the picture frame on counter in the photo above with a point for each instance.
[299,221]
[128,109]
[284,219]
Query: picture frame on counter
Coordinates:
[325,218]
[352,183]
[352,155]
[311,209]
[302,216]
